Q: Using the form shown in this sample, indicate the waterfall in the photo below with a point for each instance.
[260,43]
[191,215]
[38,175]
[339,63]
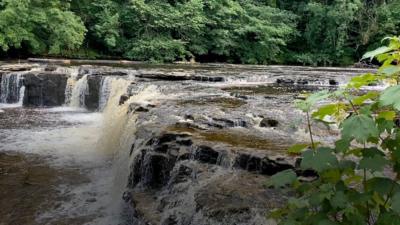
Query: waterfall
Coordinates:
[11,88]
[105,90]
[77,92]
[72,79]
[118,134]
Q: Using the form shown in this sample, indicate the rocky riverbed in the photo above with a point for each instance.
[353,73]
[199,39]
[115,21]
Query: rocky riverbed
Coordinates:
[149,144]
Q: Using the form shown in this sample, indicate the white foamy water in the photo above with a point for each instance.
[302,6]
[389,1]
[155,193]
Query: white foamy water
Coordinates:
[12,90]
[106,85]
[79,90]
[94,143]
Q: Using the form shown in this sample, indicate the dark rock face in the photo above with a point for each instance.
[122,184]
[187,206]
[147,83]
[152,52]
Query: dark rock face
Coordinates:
[267,122]
[284,81]
[123,99]
[44,89]
[262,164]
[135,107]
[93,96]
[152,167]
[333,82]
[224,123]
[206,154]
[157,169]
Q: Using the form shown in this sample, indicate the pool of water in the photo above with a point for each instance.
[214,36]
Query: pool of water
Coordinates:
[52,171]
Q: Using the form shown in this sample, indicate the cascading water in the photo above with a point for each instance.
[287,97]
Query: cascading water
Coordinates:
[12,90]
[106,85]
[116,138]
[77,94]
[71,82]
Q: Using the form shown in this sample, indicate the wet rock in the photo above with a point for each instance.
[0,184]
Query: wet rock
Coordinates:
[268,122]
[189,126]
[284,81]
[172,220]
[157,168]
[162,76]
[333,82]
[50,68]
[100,71]
[224,123]
[302,82]
[136,175]
[206,154]
[109,73]
[135,107]
[248,162]
[185,142]
[183,174]
[189,117]
[44,89]
[151,169]
[93,95]
[233,199]
[18,67]
[123,99]
[272,166]
[208,79]
[168,137]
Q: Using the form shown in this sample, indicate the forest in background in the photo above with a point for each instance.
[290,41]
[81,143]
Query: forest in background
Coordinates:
[300,32]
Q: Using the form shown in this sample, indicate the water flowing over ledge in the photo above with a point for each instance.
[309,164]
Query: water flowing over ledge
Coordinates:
[170,145]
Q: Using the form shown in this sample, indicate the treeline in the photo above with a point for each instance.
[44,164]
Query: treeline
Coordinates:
[309,32]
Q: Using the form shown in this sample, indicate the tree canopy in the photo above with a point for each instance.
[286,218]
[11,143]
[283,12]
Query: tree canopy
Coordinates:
[328,32]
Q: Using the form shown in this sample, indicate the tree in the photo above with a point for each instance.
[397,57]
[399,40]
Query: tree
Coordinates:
[41,26]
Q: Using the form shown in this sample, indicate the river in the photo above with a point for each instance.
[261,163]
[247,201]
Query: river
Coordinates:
[166,145]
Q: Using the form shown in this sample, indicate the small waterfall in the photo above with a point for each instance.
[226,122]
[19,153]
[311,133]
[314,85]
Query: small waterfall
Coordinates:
[72,79]
[11,88]
[77,95]
[105,90]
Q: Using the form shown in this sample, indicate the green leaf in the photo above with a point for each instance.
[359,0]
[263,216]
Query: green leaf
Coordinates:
[335,110]
[311,100]
[374,164]
[297,148]
[391,96]
[371,152]
[361,99]
[359,127]
[385,125]
[370,55]
[396,203]
[383,185]
[390,70]
[319,160]
[342,145]
[282,179]
[339,200]
[387,115]
[363,80]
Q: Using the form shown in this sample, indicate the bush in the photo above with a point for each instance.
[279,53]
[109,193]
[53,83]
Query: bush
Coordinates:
[358,178]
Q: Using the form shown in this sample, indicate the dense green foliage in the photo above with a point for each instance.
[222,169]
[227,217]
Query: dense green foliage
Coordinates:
[358,178]
[40,26]
[328,32]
